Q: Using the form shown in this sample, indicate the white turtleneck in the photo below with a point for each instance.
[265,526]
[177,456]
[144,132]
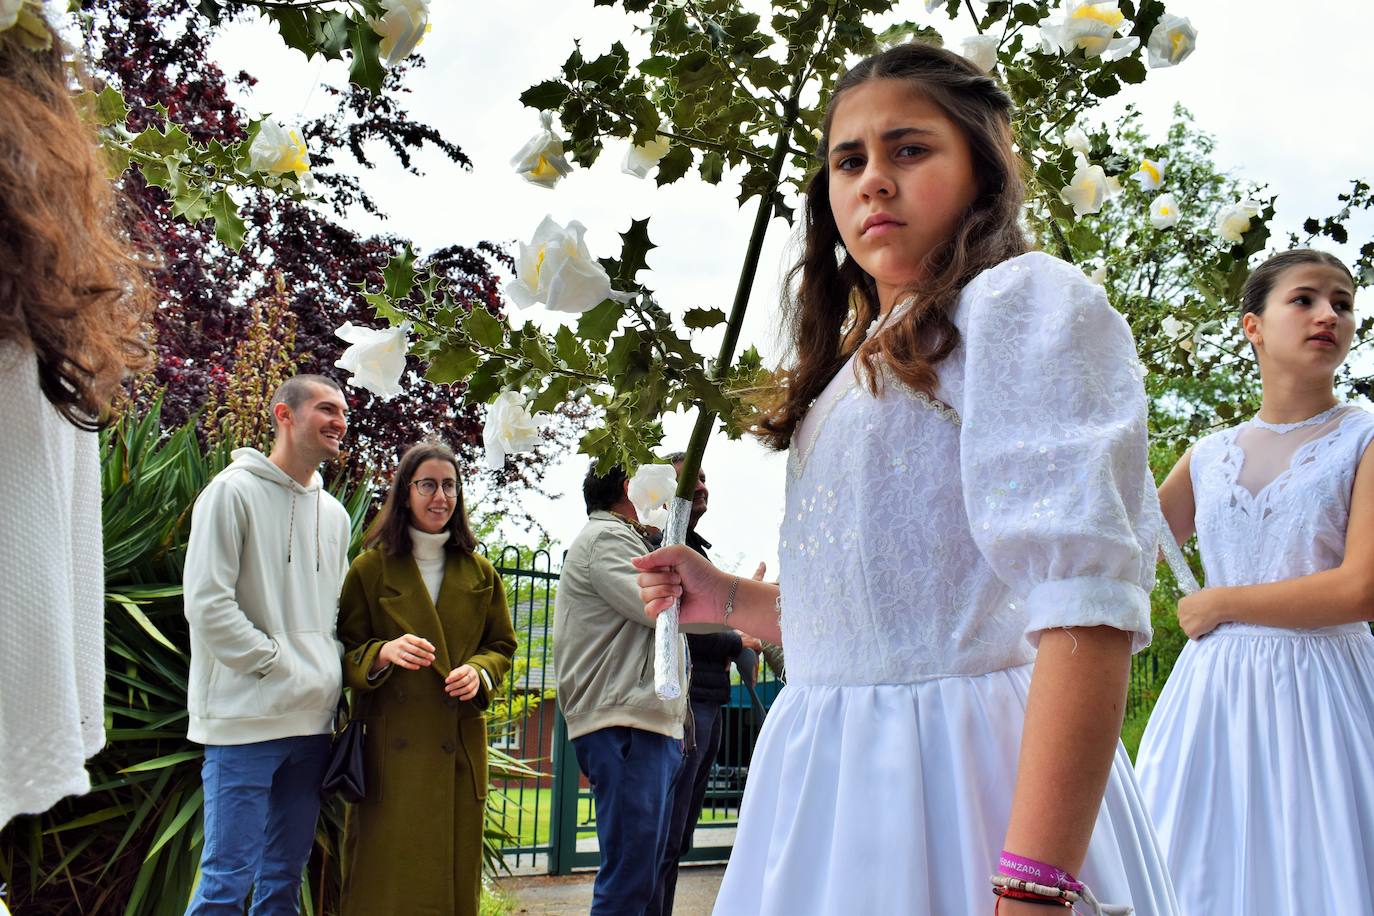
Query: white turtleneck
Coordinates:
[430,555]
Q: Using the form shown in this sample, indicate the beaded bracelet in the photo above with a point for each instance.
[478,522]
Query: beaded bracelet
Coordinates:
[1002,882]
[1004,893]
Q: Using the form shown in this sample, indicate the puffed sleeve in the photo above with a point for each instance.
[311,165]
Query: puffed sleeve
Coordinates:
[1054,448]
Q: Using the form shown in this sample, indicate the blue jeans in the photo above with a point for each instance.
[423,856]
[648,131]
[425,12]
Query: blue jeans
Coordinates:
[632,773]
[688,797]
[261,803]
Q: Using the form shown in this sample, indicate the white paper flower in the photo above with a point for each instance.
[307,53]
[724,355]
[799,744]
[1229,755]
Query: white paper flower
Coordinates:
[1234,221]
[509,428]
[1098,276]
[655,518]
[1164,212]
[402,27]
[377,359]
[1177,331]
[1092,26]
[556,268]
[540,161]
[640,159]
[981,51]
[1172,40]
[651,486]
[277,150]
[1150,174]
[1076,140]
[1088,190]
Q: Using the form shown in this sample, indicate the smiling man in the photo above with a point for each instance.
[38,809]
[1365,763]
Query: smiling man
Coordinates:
[264,566]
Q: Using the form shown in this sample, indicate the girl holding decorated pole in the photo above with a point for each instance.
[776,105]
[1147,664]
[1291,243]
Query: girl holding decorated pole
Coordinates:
[968,546]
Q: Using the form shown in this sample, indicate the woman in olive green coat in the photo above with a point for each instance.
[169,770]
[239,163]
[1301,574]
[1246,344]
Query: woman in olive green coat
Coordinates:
[427,639]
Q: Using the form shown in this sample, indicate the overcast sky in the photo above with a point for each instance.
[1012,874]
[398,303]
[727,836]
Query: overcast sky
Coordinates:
[1284,87]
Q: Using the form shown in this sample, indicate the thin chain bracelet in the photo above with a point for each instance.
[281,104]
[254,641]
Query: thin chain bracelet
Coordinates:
[730,602]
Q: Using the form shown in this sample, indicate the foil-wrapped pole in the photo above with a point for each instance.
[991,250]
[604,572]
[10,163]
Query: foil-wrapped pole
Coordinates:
[667,646]
[1187,582]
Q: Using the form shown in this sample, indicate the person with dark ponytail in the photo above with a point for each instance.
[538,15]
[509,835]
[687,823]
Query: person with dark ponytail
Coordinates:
[968,546]
[74,309]
[1255,765]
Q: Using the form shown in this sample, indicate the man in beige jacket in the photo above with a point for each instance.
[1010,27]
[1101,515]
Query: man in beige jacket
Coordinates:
[628,741]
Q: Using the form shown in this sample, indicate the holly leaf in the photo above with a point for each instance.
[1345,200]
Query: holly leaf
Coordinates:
[295,29]
[634,249]
[600,322]
[699,319]
[484,328]
[452,365]
[332,35]
[366,67]
[229,226]
[546,96]
[674,165]
[569,349]
[110,107]
[398,277]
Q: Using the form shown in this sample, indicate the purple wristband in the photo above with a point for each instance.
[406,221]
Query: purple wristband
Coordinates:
[1014,866]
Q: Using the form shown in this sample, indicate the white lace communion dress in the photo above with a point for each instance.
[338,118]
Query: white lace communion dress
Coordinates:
[924,542]
[1258,762]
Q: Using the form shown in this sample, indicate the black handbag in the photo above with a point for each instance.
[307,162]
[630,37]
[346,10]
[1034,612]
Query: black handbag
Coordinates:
[344,775]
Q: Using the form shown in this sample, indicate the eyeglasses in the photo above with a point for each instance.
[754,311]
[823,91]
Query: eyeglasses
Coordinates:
[427,486]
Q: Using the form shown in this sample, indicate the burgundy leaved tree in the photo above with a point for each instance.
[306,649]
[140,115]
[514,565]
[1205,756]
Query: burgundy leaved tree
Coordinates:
[155,52]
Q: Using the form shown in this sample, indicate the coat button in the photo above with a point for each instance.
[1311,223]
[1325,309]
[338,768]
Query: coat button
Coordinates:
[448,747]
[400,744]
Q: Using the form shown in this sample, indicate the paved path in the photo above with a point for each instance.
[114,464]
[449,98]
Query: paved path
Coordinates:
[572,895]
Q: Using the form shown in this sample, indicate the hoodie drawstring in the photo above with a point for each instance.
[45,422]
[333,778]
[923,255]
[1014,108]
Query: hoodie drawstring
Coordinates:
[317,528]
[291,527]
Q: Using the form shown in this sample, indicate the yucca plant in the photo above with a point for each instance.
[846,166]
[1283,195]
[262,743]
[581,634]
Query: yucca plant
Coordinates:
[132,846]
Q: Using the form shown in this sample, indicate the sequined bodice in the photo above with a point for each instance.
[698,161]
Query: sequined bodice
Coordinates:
[928,537]
[1293,525]
[881,578]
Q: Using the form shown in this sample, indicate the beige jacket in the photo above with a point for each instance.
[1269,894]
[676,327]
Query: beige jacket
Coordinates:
[603,644]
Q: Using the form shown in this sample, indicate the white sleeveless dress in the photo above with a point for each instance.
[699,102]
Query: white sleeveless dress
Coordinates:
[924,542]
[1258,762]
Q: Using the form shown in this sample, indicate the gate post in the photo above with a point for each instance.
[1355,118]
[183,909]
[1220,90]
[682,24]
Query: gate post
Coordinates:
[563,817]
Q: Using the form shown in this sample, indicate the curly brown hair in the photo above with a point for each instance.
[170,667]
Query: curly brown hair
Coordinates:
[73,289]
[834,301]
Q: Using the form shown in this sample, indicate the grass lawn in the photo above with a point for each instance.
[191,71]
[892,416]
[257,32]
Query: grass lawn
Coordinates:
[528,812]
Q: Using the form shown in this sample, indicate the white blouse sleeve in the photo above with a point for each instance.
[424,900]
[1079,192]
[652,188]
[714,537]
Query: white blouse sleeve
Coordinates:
[1054,448]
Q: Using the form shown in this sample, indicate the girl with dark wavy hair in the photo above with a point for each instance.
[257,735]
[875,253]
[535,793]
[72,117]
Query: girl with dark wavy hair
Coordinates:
[1255,766]
[73,307]
[968,546]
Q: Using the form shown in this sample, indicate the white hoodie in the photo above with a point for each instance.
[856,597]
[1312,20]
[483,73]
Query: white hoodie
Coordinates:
[264,567]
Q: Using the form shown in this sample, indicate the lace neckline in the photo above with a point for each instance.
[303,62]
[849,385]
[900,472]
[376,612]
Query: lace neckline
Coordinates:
[1299,424]
[881,321]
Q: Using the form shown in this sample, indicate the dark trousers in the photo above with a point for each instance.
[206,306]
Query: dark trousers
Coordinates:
[631,772]
[689,793]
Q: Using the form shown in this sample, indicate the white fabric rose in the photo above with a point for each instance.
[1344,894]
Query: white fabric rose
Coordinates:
[1076,140]
[9,13]
[277,150]
[1088,190]
[1234,221]
[540,161]
[1177,332]
[1098,276]
[651,486]
[981,51]
[1092,26]
[640,159]
[1171,41]
[556,268]
[1150,174]
[1164,212]
[402,27]
[377,359]
[509,428]
[655,518]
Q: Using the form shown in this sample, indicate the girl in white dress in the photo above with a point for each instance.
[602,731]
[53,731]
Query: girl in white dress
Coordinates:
[1258,763]
[969,483]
